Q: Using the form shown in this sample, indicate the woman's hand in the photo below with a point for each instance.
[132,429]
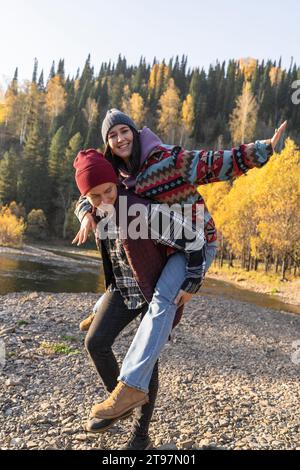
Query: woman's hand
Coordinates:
[278,134]
[183,298]
[87,224]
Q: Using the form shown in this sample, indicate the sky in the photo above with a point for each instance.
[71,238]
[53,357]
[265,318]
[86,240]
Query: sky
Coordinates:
[203,30]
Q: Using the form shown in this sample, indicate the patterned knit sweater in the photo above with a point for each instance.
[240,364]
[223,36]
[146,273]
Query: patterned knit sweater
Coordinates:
[171,175]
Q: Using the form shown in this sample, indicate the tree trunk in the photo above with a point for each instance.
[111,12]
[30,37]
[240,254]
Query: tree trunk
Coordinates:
[243,260]
[277,264]
[248,262]
[284,267]
[222,258]
[267,263]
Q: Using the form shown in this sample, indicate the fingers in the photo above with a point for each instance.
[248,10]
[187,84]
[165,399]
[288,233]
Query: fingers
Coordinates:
[278,134]
[94,225]
[177,299]
[81,237]
[281,128]
[76,238]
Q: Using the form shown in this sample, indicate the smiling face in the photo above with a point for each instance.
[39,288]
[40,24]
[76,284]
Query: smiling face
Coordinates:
[103,195]
[120,140]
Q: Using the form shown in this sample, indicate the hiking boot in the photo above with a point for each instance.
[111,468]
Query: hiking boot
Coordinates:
[86,323]
[122,399]
[102,425]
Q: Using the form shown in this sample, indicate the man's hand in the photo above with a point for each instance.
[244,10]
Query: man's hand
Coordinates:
[183,298]
[87,224]
[278,134]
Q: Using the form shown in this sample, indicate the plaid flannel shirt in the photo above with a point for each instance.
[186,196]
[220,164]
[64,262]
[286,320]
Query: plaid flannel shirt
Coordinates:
[168,228]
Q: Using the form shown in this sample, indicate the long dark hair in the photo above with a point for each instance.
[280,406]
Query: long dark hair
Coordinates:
[135,156]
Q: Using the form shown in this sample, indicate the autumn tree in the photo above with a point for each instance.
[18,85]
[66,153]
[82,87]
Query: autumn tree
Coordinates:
[134,106]
[90,113]
[244,117]
[55,98]
[187,119]
[169,113]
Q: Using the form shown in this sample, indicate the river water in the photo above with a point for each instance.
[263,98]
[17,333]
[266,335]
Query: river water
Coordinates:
[22,273]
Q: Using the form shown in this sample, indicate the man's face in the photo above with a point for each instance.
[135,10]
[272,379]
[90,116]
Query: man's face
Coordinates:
[103,195]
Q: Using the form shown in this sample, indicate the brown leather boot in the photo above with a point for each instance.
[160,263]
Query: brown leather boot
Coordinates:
[122,399]
[86,323]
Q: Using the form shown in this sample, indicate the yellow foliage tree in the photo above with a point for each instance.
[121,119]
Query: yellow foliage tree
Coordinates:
[244,117]
[55,98]
[90,111]
[159,77]
[134,106]
[169,114]
[278,208]
[248,66]
[258,217]
[236,215]
[11,228]
[137,109]
[187,118]
[275,75]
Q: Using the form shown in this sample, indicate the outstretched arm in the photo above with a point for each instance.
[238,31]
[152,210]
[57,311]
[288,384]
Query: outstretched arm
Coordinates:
[203,167]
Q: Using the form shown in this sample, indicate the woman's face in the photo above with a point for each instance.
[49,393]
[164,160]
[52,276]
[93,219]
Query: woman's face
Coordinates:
[120,140]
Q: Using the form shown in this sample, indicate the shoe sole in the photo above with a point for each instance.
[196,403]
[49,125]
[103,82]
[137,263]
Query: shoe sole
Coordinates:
[102,430]
[137,405]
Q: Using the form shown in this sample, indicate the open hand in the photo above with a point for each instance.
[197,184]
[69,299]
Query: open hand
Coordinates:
[87,224]
[278,134]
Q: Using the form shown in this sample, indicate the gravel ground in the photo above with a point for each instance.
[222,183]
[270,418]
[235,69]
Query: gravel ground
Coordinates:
[229,379]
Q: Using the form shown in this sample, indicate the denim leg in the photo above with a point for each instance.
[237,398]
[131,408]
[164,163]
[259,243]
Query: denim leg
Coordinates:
[155,327]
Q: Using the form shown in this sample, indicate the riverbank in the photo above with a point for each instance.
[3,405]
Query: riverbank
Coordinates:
[288,291]
[65,268]
[52,254]
[229,378]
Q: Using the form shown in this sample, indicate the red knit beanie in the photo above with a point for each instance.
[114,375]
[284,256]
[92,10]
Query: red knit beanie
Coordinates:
[92,169]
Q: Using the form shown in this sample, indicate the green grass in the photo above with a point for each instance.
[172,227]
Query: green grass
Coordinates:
[58,348]
[22,323]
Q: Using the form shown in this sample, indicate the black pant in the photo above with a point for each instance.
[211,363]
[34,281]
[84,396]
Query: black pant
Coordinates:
[112,317]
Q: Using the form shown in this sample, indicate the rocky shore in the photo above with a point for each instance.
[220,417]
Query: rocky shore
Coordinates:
[229,379]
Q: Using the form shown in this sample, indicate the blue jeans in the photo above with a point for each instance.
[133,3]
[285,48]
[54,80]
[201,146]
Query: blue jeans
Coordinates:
[156,326]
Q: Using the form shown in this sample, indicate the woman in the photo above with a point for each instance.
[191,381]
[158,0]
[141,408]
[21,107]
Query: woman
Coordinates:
[166,174]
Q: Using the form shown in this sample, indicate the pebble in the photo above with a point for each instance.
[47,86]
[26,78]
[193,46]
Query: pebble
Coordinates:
[186,444]
[13,382]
